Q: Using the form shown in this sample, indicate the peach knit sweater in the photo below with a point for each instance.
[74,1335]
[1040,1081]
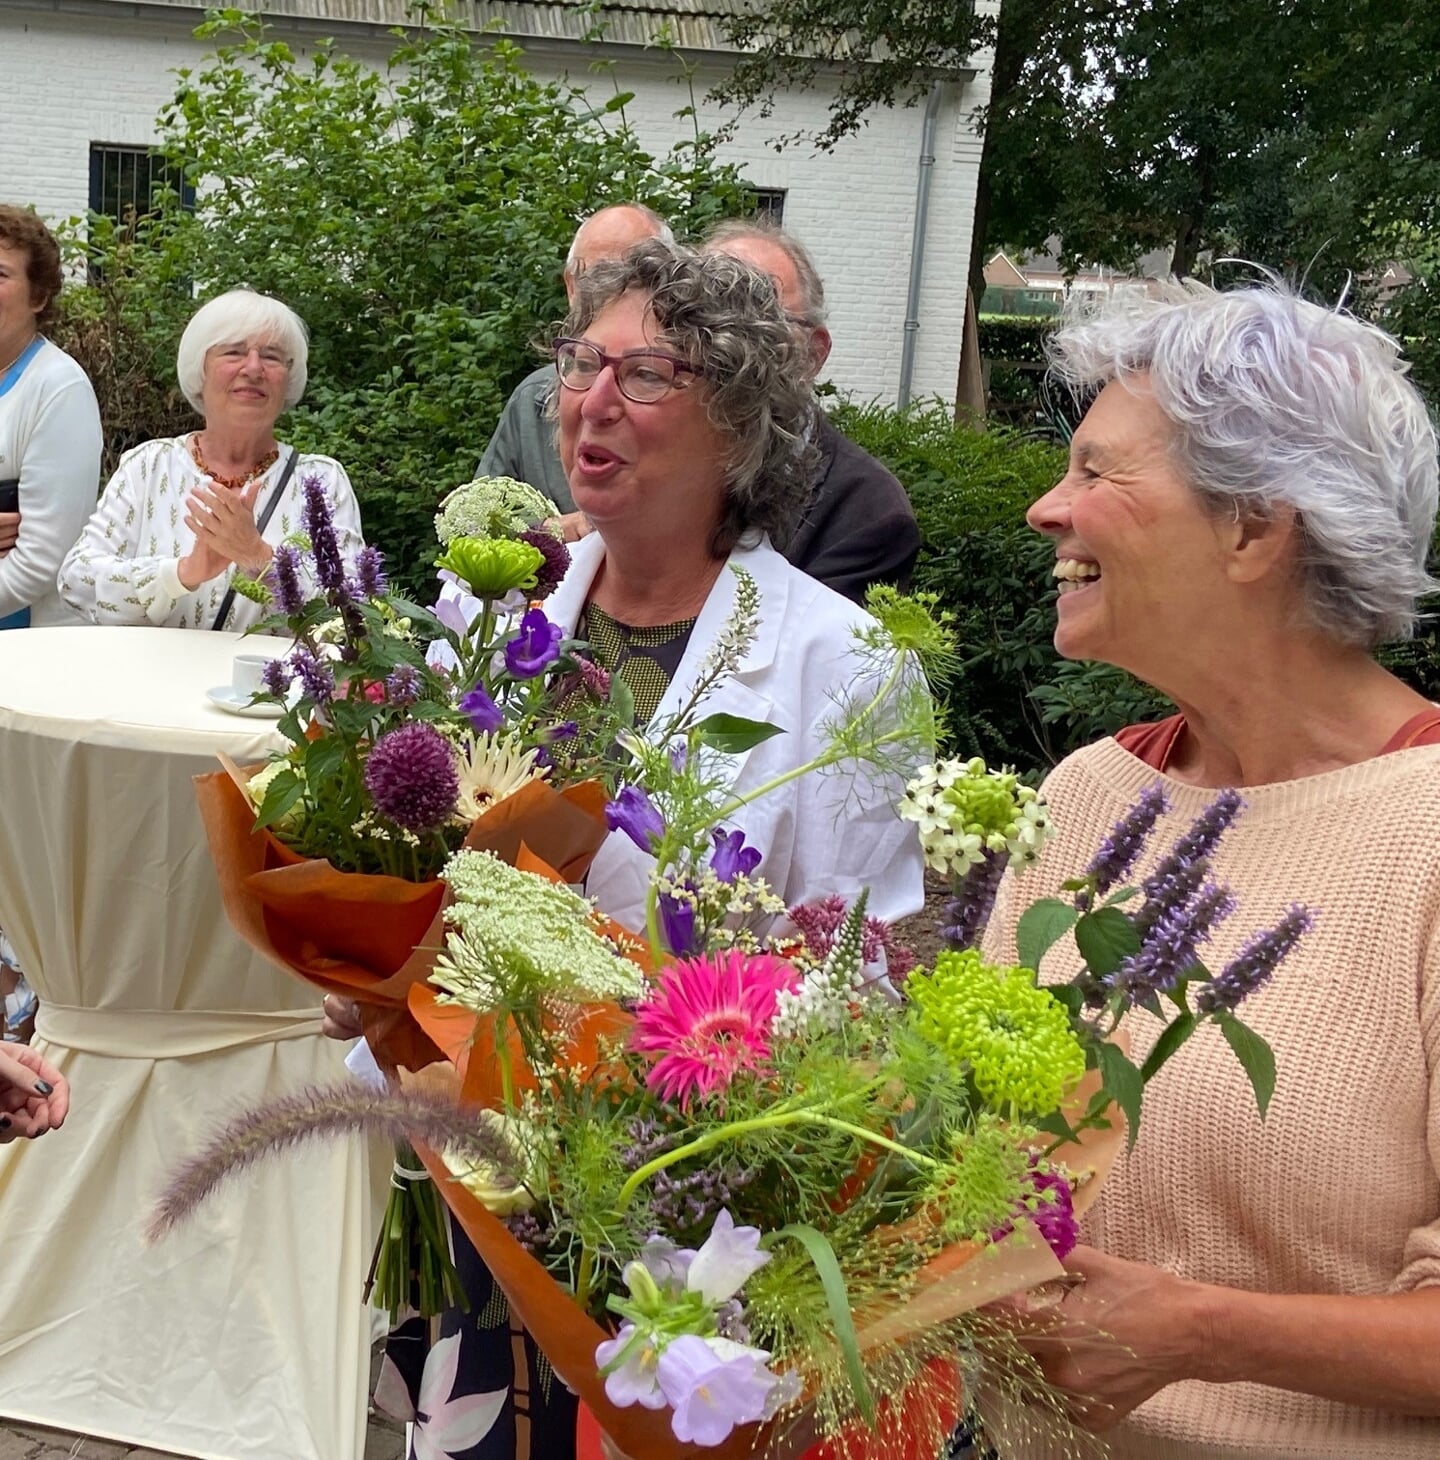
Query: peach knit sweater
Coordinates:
[1336,1191]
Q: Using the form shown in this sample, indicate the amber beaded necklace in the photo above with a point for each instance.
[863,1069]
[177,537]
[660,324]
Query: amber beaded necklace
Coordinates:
[234,483]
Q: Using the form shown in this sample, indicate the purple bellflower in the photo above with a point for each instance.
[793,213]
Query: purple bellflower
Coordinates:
[634,813]
[731,857]
[535,648]
[483,713]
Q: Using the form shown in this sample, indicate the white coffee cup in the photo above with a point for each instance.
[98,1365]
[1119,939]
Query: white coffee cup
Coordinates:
[247,674]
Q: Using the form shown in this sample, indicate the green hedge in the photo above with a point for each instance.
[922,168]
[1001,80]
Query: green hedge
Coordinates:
[1016,338]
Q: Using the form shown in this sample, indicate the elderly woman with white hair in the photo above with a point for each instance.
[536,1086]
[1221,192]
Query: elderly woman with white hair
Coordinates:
[182,514]
[1246,517]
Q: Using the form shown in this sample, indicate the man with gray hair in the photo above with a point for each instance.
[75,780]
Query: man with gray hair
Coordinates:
[523,445]
[859,527]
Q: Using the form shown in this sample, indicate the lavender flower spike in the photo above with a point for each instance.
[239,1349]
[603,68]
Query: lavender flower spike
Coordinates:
[276,678]
[317,679]
[285,580]
[1171,947]
[968,912]
[1255,963]
[1199,841]
[324,545]
[370,579]
[1126,841]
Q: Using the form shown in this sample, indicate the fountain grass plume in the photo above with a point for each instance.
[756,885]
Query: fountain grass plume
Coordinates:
[325,1111]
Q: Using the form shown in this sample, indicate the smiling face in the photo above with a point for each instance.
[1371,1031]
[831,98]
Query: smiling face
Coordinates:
[245,382]
[1143,567]
[658,464]
[17,307]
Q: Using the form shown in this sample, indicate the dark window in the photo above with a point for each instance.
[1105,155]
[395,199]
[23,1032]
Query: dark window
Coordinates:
[770,203]
[125,181]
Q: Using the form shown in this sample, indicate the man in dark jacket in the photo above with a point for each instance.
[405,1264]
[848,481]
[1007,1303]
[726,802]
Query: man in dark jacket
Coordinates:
[859,528]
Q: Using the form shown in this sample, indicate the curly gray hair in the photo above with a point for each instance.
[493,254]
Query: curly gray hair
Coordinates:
[1279,402]
[725,319]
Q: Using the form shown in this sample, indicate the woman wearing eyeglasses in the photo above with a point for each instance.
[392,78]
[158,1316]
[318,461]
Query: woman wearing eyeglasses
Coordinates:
[683,399]
[182,515]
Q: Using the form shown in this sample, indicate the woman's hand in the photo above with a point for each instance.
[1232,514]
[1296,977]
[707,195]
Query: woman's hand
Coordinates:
[341,1018]
[224,526]
[9,531]
[34,1095]
[1120,1332]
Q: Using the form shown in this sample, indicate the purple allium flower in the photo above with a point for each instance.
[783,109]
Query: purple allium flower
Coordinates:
[276,678]
[370,580]
[1126,841]
[556,564]
[535,648]
[412,777]
[403,685]
[1199,841]
[285,581]
[317,679]
[1171,947]
[1052,1209]
[677,923]
[967,913]
[482,712]
[634,813]
[1255,962]
[731,857]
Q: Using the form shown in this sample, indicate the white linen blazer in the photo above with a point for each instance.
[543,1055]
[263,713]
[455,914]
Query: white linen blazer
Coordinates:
[833,831]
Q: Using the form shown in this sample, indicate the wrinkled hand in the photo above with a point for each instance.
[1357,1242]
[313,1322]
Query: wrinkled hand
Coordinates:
[224,526]
[342,1018]
[9,531]
[34,1095]
[1113,1339]
[572,526]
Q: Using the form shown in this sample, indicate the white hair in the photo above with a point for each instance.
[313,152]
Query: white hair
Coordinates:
[242,314]
[1278,402]
[659,228]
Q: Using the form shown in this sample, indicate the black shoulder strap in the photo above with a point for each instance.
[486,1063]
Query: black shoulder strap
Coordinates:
[260,524]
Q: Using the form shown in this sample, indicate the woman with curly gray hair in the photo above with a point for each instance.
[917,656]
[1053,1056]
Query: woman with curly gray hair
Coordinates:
[684,395]
[1246,516]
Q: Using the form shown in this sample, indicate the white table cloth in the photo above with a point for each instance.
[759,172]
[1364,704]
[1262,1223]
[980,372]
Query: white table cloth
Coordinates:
[241,1336]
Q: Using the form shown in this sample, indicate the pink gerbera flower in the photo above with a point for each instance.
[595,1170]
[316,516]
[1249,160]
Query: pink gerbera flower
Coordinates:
[707,1019]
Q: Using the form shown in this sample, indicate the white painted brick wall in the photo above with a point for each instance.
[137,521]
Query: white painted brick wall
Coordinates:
[67,80]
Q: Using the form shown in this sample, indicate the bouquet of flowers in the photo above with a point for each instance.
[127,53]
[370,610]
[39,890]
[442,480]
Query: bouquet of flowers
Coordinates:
[762,1171]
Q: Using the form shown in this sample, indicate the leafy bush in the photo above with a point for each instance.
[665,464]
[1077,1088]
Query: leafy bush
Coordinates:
[416,219]
[1016,338]
[1016,700]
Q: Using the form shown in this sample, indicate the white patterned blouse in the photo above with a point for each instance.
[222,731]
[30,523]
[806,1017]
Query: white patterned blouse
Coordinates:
[124,569]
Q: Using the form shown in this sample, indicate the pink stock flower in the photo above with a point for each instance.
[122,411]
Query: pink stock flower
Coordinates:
[707,1019]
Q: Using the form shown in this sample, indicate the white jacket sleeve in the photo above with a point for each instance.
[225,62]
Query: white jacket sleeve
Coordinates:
[104,577]
[59,476]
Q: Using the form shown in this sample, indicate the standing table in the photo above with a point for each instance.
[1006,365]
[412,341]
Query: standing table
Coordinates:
[242,1335]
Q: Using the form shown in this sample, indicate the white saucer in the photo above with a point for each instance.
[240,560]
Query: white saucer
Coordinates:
[226,697]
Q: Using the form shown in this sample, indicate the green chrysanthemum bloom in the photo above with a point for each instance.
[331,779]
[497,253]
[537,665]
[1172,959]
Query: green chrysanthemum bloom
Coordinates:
[514,935]
[491,566]
[1015,1038]
[491,507]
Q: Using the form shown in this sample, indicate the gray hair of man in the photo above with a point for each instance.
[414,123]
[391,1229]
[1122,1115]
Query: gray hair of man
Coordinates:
[1279,403]
[812,289]
[233,317]
[658,226]
[725,319]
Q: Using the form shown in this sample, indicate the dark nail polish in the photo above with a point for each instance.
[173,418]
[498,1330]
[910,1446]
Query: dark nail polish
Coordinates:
[44,1087]
[4,1122]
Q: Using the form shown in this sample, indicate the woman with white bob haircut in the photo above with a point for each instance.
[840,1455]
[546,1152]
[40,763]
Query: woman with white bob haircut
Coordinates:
[182,514]
[1246,516]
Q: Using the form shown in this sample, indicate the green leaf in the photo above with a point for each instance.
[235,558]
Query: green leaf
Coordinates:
[1256,1057]
[1174,1034]
[1123,1083]
[1105,939]
[622,700]
[837,1299]
[1041,926]
[1124,895]
[733,734]
[280,795]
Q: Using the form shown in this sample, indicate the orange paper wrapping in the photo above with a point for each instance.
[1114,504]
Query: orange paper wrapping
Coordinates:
[959,1280]
[367,937]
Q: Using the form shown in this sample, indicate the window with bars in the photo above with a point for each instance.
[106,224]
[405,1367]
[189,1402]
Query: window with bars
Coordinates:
[769,203]
[125,181]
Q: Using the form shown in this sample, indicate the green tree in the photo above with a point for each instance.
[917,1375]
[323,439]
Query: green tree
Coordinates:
[415,217]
